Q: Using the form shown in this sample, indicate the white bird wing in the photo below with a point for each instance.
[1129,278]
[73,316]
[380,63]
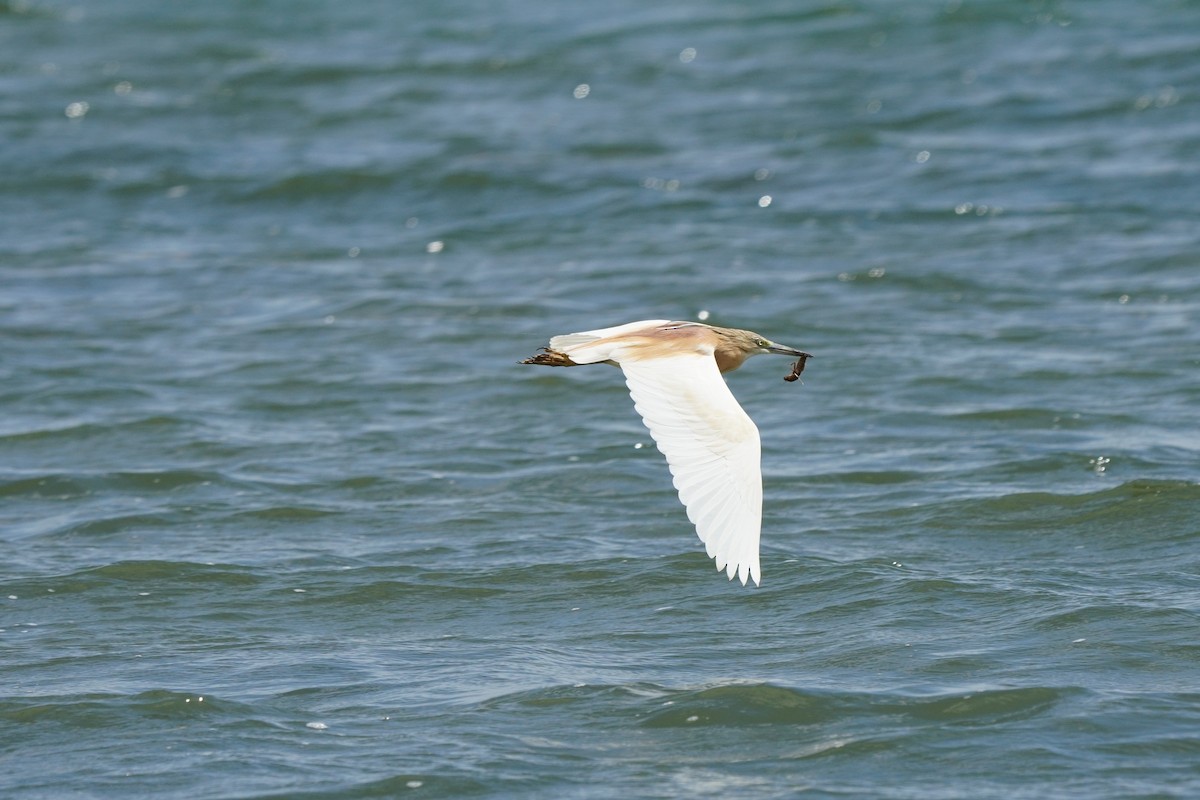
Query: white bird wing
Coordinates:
[589,347]
[712,448]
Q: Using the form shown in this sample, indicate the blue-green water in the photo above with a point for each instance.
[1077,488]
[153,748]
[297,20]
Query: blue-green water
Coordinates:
[281,516]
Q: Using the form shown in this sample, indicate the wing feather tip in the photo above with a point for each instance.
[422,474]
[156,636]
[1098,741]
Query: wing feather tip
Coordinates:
[743,572]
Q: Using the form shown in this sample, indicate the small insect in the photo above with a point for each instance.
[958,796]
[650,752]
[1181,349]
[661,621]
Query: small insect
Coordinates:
[797,368]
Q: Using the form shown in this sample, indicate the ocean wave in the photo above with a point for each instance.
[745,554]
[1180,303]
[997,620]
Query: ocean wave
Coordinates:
[750,704]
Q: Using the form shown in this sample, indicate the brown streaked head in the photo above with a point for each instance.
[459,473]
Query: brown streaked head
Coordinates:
[734,346]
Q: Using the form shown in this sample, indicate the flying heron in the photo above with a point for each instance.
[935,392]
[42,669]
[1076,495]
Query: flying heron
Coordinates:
[673,370]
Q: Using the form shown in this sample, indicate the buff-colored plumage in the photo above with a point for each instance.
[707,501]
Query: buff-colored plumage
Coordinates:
[673,371]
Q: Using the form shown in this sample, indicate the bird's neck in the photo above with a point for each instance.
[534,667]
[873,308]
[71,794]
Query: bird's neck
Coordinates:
[728,358]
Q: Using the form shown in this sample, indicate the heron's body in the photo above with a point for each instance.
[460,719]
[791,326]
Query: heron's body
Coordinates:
[673,371]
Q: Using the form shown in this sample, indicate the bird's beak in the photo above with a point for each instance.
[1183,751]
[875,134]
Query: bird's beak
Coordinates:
[778,349]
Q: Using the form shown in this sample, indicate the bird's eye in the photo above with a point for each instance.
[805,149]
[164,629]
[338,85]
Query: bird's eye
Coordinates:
[761,342]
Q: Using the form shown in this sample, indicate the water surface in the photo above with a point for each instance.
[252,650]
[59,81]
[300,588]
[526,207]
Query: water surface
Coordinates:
[282,517]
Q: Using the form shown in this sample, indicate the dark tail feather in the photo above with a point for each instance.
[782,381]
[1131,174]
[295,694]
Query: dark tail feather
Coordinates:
[550,358]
